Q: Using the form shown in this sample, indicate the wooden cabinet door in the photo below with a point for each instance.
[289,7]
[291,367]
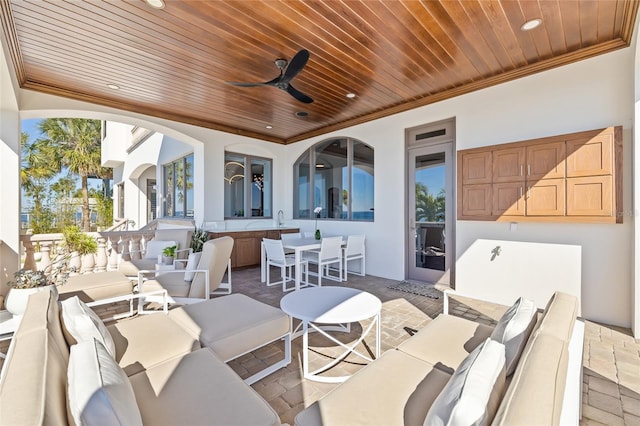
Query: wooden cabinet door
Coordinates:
[508,199]
[476,200]
[590,156]
[244,253]
[590,196]
[545,161]
[476,168]
[546,198]
[508,165]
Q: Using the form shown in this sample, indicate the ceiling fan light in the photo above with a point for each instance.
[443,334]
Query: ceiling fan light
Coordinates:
[531,24]
[156,4]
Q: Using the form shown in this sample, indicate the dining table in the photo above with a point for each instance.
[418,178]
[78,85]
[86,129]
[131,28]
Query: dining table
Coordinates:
[298,245]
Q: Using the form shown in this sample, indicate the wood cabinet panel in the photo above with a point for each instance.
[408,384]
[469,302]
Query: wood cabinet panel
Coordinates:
[508,199]
[590,156]
[546,161]
[246,245]
[546,198]
[476,200]
[589,196]
[508,165]
[476,168]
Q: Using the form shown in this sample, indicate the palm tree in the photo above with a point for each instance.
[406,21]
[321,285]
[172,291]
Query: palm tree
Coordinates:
[36,168]
[77,142]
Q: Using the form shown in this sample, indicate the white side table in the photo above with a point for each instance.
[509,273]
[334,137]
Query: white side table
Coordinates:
[163,267]
[324,309]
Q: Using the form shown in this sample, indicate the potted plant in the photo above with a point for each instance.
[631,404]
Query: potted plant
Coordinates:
[169,254]
[26,282]
[82,248]
[317,211]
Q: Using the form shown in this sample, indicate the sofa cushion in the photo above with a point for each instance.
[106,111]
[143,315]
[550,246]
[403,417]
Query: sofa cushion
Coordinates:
[473,394]
[92,287]
[514,328]
[537,387]
[395,389]
[99,391]
[457,338]
[559,316]
[232,325]
[198,389]
[148,340]
[81,324]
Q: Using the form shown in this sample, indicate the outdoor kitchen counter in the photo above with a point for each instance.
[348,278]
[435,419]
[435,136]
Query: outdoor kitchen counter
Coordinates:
[246,246]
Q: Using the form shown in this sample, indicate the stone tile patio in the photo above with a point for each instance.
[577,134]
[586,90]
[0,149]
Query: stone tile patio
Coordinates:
[611,391]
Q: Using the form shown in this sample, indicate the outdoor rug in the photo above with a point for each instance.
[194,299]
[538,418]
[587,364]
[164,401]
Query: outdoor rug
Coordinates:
[425,290]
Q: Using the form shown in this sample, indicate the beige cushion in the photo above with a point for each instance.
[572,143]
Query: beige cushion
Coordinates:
[215,257]
[472,395]
[97,286]
[154,248]
[130,268]
[396,389]
[232,325]
[34,375]
[99,391]
[173,282]
[514,328]
[82,324]
[536,391]
[559,316]
[148,340]
[198,389]
[182,237]
[456,337]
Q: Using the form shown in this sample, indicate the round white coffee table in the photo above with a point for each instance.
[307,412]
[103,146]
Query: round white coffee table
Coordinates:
[323,309]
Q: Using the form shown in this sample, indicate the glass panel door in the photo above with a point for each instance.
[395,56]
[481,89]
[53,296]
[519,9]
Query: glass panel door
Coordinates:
[430,213]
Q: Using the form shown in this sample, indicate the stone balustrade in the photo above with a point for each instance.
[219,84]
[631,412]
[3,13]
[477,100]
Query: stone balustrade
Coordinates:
[112,246]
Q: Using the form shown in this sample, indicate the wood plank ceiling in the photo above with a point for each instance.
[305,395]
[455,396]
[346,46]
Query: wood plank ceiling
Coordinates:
[394,55]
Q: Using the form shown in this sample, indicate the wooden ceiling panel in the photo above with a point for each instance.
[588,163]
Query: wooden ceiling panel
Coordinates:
[392,54]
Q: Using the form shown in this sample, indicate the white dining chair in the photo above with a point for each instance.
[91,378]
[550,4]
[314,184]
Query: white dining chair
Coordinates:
[287,237]
[330,253]
[353,251]
[277,257]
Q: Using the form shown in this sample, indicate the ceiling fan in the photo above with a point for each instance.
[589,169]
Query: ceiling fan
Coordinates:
[282,82]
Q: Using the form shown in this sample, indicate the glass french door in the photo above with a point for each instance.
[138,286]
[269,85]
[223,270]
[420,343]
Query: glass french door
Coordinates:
[430,211]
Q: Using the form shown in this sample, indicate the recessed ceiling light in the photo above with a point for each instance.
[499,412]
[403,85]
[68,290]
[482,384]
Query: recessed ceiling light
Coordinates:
[113,86]
[351,95]
[302,114]
[529,25]
[156,4]
[269,126]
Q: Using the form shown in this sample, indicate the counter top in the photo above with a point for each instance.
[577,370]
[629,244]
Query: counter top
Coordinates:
[263,228]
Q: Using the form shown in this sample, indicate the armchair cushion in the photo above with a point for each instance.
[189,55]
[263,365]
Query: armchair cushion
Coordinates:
[81,324]
[154,248]
[99,391]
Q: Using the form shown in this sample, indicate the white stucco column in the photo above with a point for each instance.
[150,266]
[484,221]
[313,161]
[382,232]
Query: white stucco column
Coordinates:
[9,174]
[635,208]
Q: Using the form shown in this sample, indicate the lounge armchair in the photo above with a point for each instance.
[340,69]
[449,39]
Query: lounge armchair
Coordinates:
[207,277]
[147,259]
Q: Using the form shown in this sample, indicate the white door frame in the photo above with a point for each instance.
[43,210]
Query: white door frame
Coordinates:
[423,140]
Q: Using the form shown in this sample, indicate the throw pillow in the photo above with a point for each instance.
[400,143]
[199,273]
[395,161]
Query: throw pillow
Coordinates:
[99,391]
[154,248]
[81,323]
[513,330]
[192,263]
[472,395]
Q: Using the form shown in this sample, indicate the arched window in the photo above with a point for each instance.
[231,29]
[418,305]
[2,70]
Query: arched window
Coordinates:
[336,175]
